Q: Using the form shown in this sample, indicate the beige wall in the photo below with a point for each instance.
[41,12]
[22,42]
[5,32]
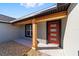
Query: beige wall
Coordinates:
[8,32]
[42,32]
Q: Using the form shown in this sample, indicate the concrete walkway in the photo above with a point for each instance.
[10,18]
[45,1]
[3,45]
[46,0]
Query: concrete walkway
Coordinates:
[49,49]
[24,42]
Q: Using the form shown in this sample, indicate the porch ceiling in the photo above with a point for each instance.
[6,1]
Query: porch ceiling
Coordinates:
[45,18]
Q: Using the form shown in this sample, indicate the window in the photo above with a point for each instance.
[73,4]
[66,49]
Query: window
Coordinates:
[28,30]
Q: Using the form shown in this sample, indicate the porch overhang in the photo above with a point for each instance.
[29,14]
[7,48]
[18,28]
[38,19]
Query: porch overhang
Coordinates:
[51,14]
[45,18]
[34,21]
[50,17]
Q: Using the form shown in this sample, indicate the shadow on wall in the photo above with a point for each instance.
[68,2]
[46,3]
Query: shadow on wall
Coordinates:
[71,8]
[63,28]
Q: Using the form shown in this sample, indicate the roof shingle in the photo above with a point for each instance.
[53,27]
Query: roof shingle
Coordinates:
[4,18]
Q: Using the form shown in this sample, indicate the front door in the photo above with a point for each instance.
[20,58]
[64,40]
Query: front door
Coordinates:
[54,31]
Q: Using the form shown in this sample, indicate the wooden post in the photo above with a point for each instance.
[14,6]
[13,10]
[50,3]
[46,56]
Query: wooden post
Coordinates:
[34,35]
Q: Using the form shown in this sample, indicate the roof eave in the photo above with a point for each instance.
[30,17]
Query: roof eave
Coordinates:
[32,14]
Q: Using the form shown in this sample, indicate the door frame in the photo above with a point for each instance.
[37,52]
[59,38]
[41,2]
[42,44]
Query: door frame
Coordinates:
[59,31]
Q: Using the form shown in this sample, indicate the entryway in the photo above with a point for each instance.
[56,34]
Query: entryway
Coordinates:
[54,32]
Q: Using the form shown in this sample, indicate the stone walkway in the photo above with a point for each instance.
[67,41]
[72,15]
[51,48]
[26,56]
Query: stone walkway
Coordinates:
[12,48]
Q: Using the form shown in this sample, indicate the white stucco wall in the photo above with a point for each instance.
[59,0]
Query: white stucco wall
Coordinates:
[71,38]
[8,32]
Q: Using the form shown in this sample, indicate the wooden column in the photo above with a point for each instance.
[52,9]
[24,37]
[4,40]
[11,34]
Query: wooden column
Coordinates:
[34,35]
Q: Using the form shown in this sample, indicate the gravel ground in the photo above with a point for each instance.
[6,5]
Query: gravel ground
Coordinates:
[12,48]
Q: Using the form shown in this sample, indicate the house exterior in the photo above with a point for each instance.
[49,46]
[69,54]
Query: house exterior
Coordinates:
[56,25]
[7,31]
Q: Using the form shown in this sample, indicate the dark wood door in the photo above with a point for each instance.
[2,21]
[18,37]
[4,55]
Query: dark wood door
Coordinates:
[54,31]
